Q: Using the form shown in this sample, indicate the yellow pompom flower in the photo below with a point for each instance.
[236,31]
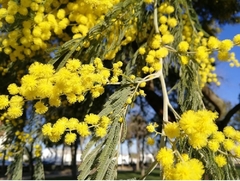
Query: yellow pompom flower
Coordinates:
[229,131]
[60,126]
[198,140]
[150,141]
[218,136]
[82,129]
[161,53]
[213,42]
[55,137]
[167,38]
[148,1]
[151,127]
[184,60]
[105,121]
[92,119]
[10,19]
[150,59]
[61,14]
[29,82]
[13,89]
[142,84]
[145,69]
[172,130]
[70,138]
[236,39]
[16,101]
[228,144]
[237,151]
[213,145]
[220,160]
[185,156]
[4,102]
[129,100]
[15,112]
[223,55]
[169,9]
[188,122]
[226,45]
[163,19]
[142,50]
[47,129]
[73,64]
[172,22]
[184,170]
[183,46]
[40,108]
[165,157]
[101,132]
[72,123]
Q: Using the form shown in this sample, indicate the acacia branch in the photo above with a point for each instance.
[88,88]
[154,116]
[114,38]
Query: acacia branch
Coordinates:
[221,124]
[218,103]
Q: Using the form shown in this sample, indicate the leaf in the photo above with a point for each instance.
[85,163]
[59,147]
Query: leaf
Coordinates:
[15,170]
[38,170]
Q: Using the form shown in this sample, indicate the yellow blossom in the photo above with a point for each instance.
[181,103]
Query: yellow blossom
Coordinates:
[72,123]
[92,119]
[220,160]
[70,138]
[229,131]
[213,145]
[82,129]
[183,46]
[226,45]
[236,39]
[40,108]
[4,102]
[165,157]
[184,60]
[15,111]
[151,127]
[228,144]
[101,132]
[150,141]
[47,129]
[172,130]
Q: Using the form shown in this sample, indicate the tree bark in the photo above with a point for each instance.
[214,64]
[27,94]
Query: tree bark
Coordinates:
[138,154]
[218,103]
[62,160]
[223,123]
[74,159]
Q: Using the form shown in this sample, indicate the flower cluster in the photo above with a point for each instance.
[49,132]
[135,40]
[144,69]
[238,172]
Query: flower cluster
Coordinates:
[179,167]
[42,82]
[156,47]
[37,150]
[203,48]
[199,128]
[48,21]
[73,127]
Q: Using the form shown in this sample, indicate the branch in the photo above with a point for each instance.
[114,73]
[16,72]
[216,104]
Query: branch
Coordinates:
[218,103]
[221,124]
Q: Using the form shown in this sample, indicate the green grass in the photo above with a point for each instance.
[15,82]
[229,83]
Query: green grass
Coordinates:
[123,175]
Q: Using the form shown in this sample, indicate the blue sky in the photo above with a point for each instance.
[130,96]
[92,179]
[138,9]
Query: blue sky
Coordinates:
[230,76]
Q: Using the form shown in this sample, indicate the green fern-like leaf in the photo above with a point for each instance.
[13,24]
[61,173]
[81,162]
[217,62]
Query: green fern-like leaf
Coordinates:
[38,170]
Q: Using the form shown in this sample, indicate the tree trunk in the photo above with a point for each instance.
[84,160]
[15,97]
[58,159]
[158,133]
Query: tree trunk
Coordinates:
[74,159]
[138,154]
[31,166]
[3,164]
[62,160]
[142,162]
